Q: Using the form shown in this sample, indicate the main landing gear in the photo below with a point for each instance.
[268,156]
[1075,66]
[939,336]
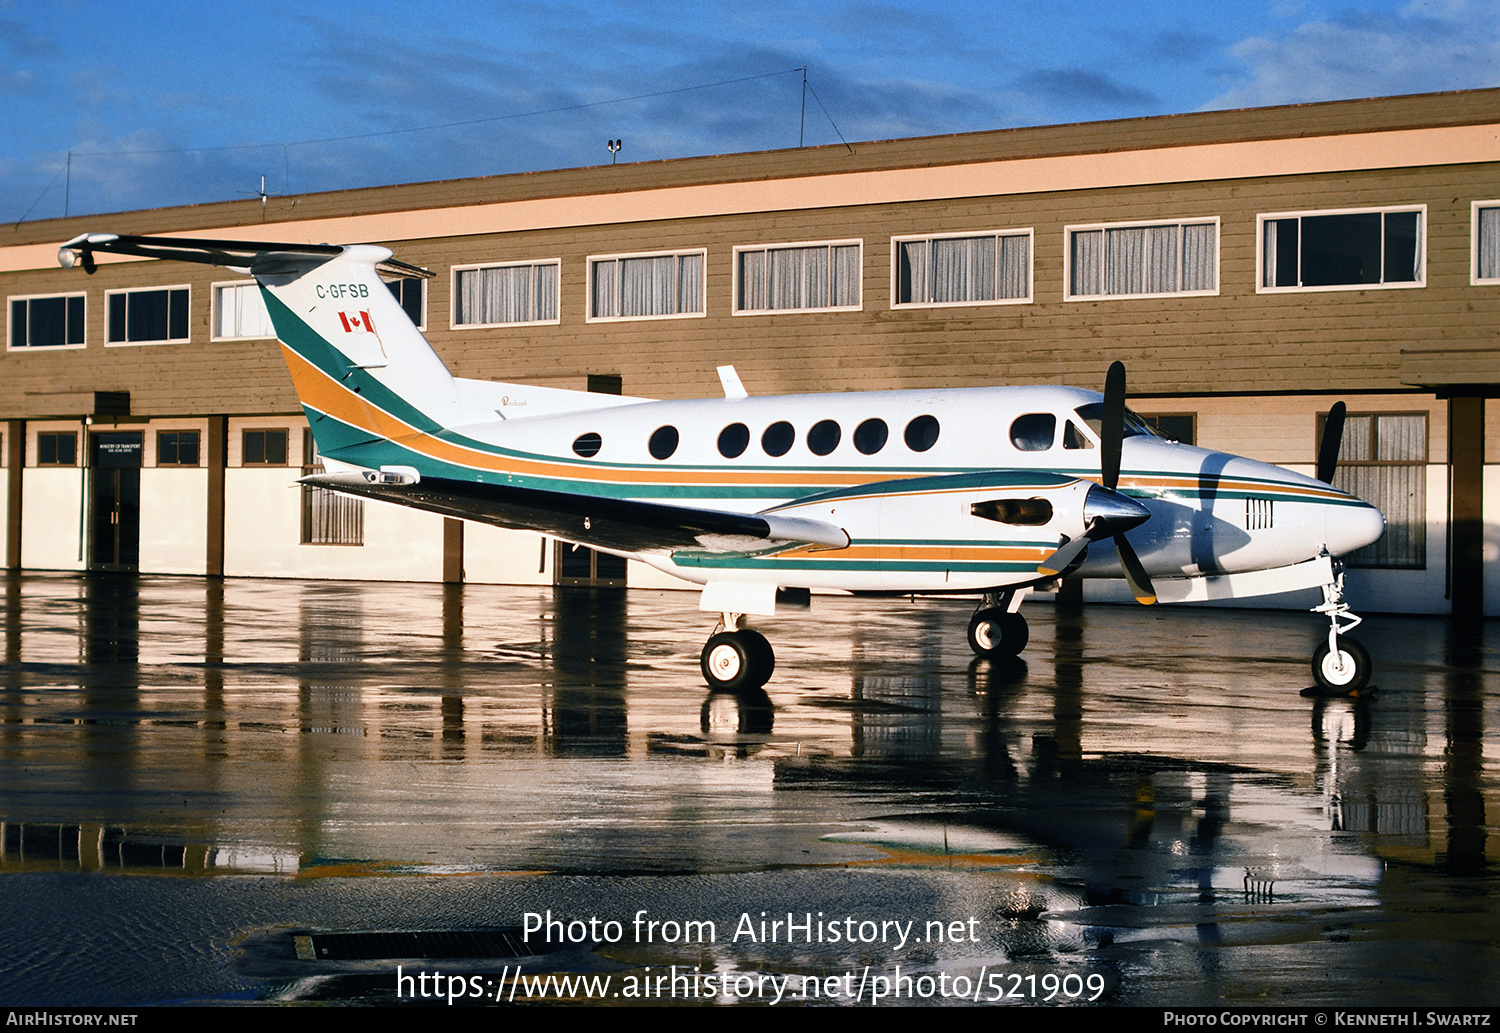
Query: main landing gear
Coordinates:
[1341,666]
[737,659]
[997,627]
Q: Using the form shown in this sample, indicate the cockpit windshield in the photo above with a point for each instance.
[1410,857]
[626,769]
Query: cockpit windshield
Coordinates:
[1135,427]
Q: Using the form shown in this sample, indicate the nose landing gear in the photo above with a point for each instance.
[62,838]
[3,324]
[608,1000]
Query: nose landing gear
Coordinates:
[1340,666]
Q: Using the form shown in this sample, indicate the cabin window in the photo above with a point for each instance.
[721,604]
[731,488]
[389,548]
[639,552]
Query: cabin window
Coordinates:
[588,445]
[1143,261]
[148,316]
[410,293]
[1352,249]
[778,438]
[662,444]
[1073,437]
[177,448]
[1383,460]
[733,440]
[516,293]
[981,269]
[1034,432]
[47,322]
[57,449]
[1485,231]
[870,436]
[646,286]
[824,437]
[240,312]
[806,277]
[263,448]
[922,433]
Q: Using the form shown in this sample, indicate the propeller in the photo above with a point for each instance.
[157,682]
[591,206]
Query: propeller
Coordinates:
[1333,439]
[1107,513]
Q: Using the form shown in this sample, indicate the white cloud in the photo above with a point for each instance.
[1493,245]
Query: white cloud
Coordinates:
[1427,47]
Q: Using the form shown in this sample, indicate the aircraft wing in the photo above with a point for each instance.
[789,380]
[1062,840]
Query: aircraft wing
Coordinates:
[614,525]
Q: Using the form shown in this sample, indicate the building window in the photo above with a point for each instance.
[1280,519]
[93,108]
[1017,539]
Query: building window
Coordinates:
[264,448]
[1181,427]
[1143,260]
[1383,460]
[497,295]
[57,449]
[797,277]
[148,316]
[646,286]
[328,517]
[988,269]
[177,448]
[47,322]
[1342,250]
[1485,267]
[410,293]
[240,312]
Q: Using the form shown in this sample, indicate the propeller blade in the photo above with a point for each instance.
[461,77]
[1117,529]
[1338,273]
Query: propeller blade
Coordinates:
[1112,429]
[1066,555]
[1135,574]
[1333,439]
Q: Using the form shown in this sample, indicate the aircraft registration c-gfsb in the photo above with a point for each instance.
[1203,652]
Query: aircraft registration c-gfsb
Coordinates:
[988,491]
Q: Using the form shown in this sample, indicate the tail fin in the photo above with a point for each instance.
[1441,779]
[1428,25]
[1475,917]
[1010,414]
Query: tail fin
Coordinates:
[354,354]
[362,370]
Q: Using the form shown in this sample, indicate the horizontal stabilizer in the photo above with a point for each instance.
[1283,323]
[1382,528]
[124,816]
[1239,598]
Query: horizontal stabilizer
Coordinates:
[233,254]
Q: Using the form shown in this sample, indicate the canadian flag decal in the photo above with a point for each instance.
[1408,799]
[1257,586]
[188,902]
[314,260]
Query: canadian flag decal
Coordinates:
[357,322]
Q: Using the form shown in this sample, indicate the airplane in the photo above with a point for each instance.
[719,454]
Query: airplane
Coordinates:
[988,491]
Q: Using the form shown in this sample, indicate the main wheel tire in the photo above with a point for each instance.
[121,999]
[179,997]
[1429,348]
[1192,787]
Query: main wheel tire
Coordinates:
[997,632]
[1348,671]
[765,656]
[734,662]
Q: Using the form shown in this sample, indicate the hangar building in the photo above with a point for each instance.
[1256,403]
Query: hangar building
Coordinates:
[1249,267]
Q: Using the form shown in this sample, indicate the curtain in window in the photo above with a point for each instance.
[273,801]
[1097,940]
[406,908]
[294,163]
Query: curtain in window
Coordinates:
[1141,260]
[1088,263]
[1489,243]
[1014,279]
[649,285]
[963,269]
[1199,246]
[242,312]
[846,275]
[753,294]
[786,278]
[914,287]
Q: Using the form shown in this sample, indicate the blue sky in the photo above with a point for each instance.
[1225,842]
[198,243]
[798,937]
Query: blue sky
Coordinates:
[173,103]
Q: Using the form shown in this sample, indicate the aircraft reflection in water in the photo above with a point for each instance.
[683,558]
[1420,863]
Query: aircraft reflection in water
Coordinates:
[987,491]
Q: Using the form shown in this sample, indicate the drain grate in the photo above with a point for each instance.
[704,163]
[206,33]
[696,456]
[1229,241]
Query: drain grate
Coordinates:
[436,944]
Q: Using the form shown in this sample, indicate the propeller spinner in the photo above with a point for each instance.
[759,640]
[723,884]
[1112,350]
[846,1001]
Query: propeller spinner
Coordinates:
[1107,513]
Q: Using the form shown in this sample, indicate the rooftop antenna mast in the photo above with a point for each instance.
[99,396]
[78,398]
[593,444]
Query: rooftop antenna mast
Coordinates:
[262,195]
[802,125]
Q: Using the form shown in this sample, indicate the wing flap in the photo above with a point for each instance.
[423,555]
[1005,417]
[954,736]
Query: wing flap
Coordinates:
[615,525]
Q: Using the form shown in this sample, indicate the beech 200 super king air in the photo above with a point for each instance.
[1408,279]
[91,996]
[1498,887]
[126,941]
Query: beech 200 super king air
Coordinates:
[988,491]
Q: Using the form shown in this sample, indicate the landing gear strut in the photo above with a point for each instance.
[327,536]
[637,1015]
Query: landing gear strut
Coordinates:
[997,627]
[1340,665]
[737,659]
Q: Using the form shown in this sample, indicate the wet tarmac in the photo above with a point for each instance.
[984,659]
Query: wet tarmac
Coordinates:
[206,787]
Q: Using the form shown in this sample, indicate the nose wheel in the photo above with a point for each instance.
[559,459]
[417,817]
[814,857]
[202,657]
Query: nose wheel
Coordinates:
[737,660]
[996,629]
[1340,666]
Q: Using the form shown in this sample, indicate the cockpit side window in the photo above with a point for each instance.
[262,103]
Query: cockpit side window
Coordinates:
[1093,415]
[1034,432]
[1074,437]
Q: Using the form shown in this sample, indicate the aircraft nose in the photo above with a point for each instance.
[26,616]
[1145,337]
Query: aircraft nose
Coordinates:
[1353,527]
[1116,513]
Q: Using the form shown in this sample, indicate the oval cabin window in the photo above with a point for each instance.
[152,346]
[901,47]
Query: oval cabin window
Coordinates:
[588,445]
[870,436]
[778,438]
[824,437]
[663,442]
[733,440]
[922,433]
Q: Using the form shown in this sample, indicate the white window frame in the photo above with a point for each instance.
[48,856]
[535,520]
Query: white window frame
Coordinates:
[1105,227]
[1474,278]
[453,294]
[37,348]
[1028,232]
[1260,247]
[588,303]
[146,290]
[795,246]
[213,315]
